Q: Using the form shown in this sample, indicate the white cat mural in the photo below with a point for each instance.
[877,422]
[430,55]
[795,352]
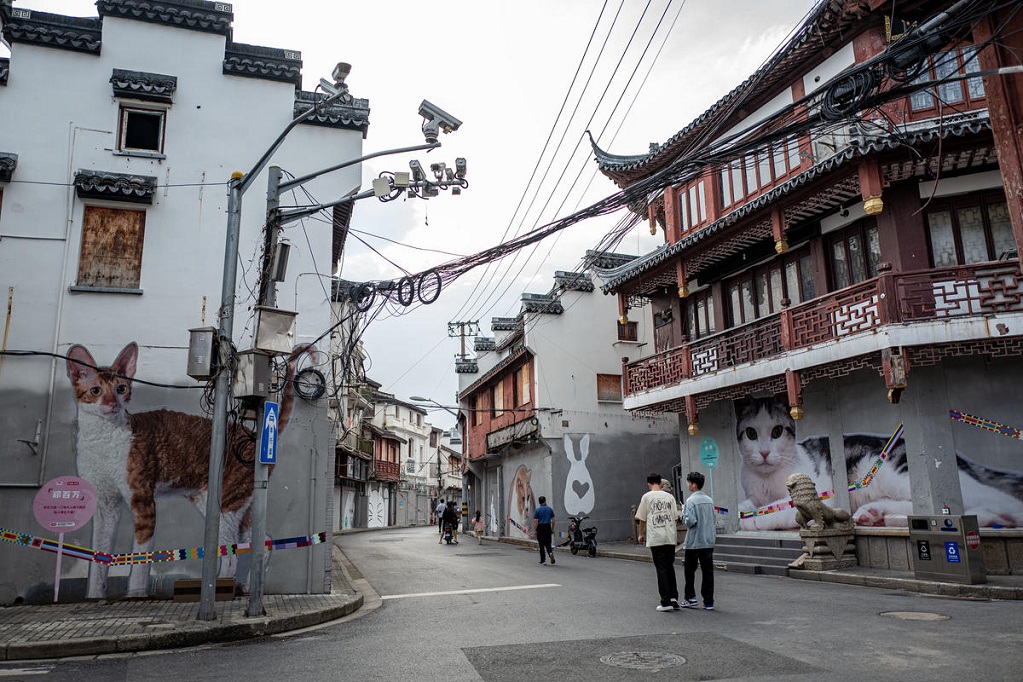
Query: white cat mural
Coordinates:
[579,495]
[770,452]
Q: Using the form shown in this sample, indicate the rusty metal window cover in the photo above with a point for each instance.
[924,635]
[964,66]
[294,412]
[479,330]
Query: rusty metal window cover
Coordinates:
[111,253]
[609,388]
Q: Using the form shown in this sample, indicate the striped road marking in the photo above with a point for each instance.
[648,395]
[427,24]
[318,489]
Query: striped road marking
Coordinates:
[20,672]
[478,591]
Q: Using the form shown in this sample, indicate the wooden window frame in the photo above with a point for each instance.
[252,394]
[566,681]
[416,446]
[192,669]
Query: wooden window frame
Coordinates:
[800,258]
[124,118]
[952,205]
[860,228]
[628,331]
[964,65]
[700,315]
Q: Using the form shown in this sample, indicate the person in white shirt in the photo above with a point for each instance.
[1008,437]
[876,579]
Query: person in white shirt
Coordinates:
[657,514]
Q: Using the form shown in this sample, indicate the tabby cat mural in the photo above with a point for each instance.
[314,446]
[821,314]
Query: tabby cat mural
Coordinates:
[135,458]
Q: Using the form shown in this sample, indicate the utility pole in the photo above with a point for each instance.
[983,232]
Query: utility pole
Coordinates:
[261,472]
[462,330]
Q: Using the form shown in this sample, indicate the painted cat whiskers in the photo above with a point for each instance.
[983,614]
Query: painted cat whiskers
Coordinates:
[136,458]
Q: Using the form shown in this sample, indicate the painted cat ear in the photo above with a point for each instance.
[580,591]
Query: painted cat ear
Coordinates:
[76,371]
[125,362]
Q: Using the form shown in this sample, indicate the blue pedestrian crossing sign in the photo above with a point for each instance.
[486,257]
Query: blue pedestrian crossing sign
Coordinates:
[268,436]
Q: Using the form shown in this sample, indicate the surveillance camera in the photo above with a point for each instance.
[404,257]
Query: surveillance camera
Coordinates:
[438,170]
[417,170]
[460,167]
[341,72]
[436,119]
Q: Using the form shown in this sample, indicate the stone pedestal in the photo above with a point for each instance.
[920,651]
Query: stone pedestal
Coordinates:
[826,549]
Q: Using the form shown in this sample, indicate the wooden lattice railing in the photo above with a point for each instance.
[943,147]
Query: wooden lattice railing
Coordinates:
[887,299]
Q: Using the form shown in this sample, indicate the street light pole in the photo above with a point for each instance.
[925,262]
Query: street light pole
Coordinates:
[225,373]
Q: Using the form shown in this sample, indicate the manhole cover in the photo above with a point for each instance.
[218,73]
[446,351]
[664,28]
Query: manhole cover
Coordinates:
[643,660]
[915,615]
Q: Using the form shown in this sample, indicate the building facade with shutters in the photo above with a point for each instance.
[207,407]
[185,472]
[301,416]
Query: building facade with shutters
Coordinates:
[841,255]
[120,133]
[544,416]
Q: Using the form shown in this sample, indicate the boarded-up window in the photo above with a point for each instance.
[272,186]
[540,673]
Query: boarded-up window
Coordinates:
[497,398]
[609,387]
[522,385]
[111,248]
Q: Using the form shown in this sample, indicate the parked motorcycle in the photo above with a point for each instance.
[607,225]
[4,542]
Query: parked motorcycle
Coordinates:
[581,539]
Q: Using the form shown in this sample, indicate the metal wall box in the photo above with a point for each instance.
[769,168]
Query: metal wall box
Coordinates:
[252,375]
[946,548]
[275,329]
[202,348]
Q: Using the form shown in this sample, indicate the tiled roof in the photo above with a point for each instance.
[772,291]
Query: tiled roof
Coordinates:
[950,126]
[81,34]
[831,21]
[154,87]
[352,114]
[195,15]
[268,63]
[137,189]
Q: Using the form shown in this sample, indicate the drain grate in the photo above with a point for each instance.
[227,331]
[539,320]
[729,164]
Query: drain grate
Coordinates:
[652,661]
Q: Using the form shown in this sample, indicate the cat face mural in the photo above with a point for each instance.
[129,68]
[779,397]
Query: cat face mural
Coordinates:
[521,503]
[134,458]
[770,451]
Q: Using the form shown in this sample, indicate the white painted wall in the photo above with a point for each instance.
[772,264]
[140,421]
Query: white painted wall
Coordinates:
[59,115]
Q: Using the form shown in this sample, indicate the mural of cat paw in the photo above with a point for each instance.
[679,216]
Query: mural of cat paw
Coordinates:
[869,515]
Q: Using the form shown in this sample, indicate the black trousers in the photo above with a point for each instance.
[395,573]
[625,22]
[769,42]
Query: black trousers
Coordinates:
[664,565]
[543,537]
[705,558]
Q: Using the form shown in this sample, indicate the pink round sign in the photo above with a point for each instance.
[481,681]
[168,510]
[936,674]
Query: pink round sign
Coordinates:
[64,503]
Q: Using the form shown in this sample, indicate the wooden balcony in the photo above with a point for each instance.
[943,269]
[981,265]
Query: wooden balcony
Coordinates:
[889,299]
[387,471]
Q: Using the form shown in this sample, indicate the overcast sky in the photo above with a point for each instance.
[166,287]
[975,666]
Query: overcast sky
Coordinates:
[504,68]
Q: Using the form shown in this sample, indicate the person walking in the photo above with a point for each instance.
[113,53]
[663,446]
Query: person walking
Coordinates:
[478,526]
[657,514]
[543,529]
[698,517]
[440,520]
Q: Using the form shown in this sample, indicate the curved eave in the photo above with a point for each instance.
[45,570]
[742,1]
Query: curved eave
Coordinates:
[830,23]
[614,279]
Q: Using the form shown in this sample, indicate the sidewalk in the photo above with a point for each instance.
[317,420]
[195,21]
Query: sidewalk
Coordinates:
[91,628]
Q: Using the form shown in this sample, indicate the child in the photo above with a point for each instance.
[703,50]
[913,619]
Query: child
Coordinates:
[478,526]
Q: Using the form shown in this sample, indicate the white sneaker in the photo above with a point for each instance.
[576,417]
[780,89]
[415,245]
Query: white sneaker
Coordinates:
[666,608]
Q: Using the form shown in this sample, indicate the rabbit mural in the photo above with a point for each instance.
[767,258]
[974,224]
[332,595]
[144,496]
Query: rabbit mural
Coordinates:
[579,496]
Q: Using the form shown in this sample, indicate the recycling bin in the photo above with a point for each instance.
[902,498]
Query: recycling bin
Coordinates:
[947,548]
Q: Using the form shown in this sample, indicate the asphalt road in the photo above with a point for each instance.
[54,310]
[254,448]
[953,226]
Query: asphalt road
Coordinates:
[491,612]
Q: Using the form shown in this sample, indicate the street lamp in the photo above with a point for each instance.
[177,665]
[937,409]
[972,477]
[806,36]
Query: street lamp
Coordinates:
[238,185]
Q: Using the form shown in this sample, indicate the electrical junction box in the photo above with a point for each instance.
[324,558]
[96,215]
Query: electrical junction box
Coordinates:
[202,348]
[252,376]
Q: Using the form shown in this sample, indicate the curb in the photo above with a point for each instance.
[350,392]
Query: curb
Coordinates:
[983,591]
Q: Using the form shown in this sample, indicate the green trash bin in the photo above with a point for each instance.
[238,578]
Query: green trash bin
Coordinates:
[947,549]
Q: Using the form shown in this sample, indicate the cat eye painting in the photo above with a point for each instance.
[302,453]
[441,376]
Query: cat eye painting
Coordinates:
[771,449]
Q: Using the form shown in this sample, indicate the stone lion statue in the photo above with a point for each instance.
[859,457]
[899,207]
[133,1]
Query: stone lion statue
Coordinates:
[809,506]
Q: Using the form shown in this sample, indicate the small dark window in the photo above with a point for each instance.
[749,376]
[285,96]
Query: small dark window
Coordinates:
[142,130]
[627,331]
